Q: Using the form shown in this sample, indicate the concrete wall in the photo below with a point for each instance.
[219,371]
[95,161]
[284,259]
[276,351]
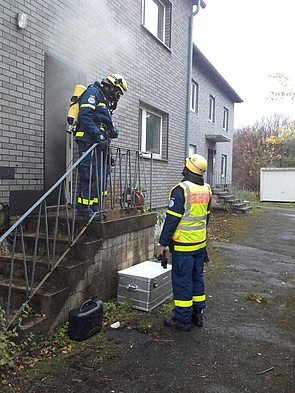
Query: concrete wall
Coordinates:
[125,242]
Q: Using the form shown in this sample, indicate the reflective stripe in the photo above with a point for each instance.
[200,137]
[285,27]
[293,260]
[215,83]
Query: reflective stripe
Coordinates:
[192,227]
[87,106]
[85,201]
[79,133]
[173,213]
[195,247]
[183,303]
[101,104]
[197,299]
[196,218]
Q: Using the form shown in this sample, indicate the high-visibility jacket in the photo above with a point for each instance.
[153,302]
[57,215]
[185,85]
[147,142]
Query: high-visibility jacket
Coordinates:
[190,234]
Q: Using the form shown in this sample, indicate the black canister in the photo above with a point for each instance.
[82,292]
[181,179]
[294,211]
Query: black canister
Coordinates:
[86,320]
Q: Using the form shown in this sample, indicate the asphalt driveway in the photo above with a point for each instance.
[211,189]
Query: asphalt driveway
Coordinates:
[244,346]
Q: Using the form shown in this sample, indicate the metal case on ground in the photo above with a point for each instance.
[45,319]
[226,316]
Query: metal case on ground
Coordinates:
[146,284]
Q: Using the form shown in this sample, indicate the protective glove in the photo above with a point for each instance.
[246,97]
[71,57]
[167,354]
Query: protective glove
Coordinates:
[103,142]
[113,132]
[163,258]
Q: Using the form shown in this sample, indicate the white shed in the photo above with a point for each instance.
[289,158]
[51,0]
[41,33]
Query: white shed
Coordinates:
[277,185]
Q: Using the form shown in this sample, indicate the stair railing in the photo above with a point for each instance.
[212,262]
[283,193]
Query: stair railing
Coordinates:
[124,172]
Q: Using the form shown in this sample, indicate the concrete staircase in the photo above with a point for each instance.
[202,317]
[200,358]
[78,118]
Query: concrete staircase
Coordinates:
[223,200]
[46,304]
[87,267]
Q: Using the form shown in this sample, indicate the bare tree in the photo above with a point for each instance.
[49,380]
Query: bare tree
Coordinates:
[270,142]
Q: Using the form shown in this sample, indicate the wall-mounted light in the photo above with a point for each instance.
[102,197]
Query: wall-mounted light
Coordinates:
[22,20]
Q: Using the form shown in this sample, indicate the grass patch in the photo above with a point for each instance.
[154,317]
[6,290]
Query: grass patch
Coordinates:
[254,297]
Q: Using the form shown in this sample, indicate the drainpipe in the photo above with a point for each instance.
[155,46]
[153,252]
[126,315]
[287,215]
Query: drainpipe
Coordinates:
[200,3]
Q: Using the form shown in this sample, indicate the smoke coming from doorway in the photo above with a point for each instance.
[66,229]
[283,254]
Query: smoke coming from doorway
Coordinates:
[101,35]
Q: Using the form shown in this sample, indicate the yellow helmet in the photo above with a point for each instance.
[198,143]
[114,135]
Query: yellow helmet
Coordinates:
[196,164]
[116,80]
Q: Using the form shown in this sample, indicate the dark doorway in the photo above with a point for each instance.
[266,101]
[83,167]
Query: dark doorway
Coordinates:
[60,81]
[210,168]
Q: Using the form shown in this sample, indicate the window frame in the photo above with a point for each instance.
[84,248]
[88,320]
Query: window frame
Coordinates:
[223,168]
[225,119]
[194,99]
[161,30]
[143,110]
[211,109]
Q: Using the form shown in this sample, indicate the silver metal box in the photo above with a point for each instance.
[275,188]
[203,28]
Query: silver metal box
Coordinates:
[146,284]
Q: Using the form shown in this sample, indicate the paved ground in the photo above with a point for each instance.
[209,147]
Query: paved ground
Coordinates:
[244,346]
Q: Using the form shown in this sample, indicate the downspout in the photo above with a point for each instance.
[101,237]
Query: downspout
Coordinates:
[200,3]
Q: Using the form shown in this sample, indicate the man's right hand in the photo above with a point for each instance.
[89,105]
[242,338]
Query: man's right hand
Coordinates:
[103,142]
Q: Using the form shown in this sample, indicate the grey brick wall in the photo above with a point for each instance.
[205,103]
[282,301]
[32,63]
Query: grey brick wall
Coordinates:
[97,37]
[200,124]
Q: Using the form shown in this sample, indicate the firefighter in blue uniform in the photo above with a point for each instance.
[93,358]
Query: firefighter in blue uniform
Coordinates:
[184,231]
[95,125]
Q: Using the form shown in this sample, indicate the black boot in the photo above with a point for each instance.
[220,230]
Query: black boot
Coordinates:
[175,324]
[197,317]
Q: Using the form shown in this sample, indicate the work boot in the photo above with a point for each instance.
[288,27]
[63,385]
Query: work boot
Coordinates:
[197,317]
[175,324]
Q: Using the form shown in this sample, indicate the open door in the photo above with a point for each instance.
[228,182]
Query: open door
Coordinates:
[60,81]
[210,167]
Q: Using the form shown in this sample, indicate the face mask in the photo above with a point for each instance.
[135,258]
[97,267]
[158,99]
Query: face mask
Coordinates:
[114,95]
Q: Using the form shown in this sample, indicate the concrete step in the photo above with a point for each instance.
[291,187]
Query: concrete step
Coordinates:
[44,301]
[244,209]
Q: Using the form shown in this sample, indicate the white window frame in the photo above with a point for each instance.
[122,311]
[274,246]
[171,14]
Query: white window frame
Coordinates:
[194,96]
[192,150]
[154,20]
[223,165]
[212,109]
[143,128]
[225,119]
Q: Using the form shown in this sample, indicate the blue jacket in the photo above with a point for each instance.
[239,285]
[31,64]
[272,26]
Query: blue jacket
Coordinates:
[94,120]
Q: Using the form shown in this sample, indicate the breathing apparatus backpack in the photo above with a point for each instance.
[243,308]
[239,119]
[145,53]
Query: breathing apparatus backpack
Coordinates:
[73,112]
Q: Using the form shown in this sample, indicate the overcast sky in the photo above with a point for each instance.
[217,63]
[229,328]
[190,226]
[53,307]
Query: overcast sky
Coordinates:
[246,41]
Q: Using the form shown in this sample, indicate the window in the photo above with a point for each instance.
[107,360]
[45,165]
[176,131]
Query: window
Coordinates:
[223,165]
[194,96]
[192,150]
[225,119]
[153,128]
[212,109]
[156,17]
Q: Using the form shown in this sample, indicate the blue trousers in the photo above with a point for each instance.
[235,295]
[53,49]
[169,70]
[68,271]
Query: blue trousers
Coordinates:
[90,189]
[188,284]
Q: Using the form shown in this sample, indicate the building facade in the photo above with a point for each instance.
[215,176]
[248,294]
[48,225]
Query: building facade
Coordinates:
[212,119]
[48,47]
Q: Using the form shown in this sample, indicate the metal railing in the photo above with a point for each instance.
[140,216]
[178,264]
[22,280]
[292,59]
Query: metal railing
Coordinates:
[217,179]
[124,170]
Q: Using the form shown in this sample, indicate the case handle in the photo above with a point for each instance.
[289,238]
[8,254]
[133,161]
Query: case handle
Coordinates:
[86,303]
[132,288]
